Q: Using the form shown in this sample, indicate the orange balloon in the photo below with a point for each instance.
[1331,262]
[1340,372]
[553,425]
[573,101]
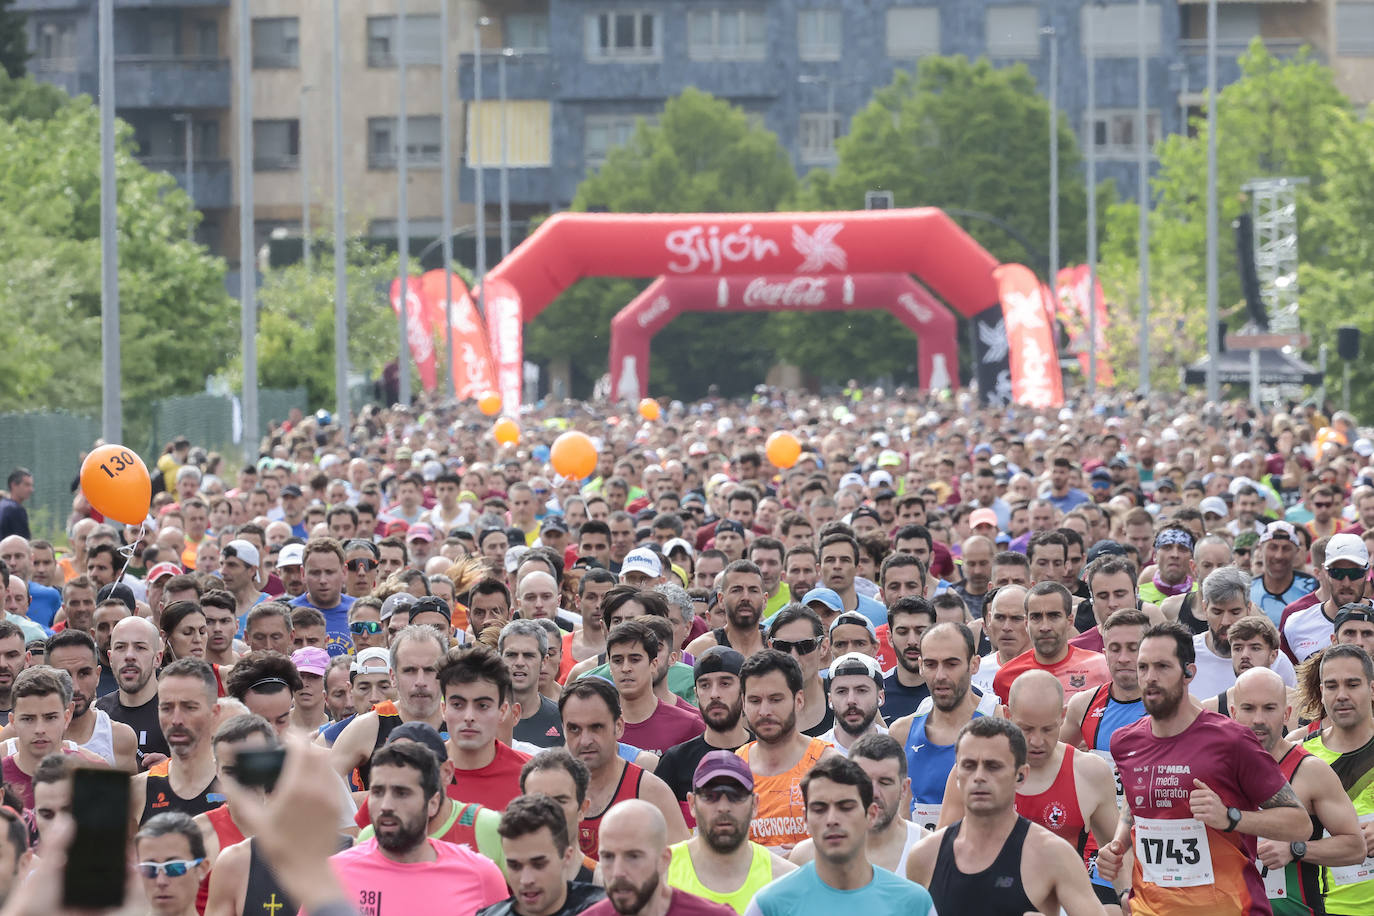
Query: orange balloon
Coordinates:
[489,403]
[115,482]
[506,431]
[783,449]
[573,454]
[649,410]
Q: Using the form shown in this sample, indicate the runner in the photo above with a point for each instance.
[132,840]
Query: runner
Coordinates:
[840,807]
[839,561]
[1111,585]
[135,654]
[218,829]
[188,714]
[856,694]
[721,863]
[1004,622]
[1199,792]
[171,863]
[1093,716]
[1347,580]
[798,631]
[1281,583]
[73,651]
[1225,599]
[1211,553]
[993,861]
[562,777]
[476,690]
[42,710]
[722,709]
[633,846]
[1173,555]
[588,640]
[1292,871]
[742,594]
[538,848]
[220,625]
[633,649]
[323,563]
[1049,621]
[523,646]
[904,688]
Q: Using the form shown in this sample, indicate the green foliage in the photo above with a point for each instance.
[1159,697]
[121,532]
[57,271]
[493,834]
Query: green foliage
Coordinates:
[703,156]
[26,98]
[14,43]
[961,134]
[177,323]
[1282,118]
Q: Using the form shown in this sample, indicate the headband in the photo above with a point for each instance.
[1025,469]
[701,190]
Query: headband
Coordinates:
[1173,536]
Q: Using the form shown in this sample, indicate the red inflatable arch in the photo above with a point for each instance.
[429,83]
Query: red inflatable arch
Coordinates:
[667,297]
[570,246]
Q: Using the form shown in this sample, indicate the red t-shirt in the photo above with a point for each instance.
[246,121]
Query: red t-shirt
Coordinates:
[668,726]
[1078,671]
[1090,640]
[1157,775]
[681,904]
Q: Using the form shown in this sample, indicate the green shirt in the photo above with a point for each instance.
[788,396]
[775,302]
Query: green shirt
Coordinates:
[779,601]
[1356,772]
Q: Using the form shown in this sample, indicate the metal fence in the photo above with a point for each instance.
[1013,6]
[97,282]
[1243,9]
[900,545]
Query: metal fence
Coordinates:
[52,443]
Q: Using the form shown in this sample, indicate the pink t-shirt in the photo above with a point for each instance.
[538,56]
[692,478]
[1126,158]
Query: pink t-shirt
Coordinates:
[668,726]
[458,883]
[1157,776]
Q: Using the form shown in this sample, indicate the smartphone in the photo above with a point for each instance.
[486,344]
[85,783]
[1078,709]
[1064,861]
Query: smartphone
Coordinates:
[259,769]
[97,861]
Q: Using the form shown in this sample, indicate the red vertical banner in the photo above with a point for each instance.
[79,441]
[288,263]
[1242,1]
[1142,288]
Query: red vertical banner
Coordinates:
[1035,378]
[418,333]
[1072,306]
[472,372]
[505,334]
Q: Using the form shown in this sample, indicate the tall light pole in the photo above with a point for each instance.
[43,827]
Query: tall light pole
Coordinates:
[1143,196]
[305,180]
[475,145]
[446,185]
[1213,332]
[341,404]
[1054,163]
[402,209]
[111,399]
[505,150]
[248,271]
[1092,201]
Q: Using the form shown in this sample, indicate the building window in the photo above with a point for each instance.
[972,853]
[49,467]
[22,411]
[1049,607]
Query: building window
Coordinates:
[819,34]
[419,228]
[277,43]
[276,145]
[603,133]
[56,50]
[422,141]
[421,41]
[817,135]
[1114,133]
[728,34]
[1116,29]
[913,31]
[1355,29]
[1013,32]
[527,33]
[623,35]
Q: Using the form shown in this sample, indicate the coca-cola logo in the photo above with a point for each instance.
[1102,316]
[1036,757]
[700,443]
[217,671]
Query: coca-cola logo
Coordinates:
[656,310]
[794,293]
[915,309]
[699,247]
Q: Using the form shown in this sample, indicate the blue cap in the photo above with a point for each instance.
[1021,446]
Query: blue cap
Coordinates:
[827,596]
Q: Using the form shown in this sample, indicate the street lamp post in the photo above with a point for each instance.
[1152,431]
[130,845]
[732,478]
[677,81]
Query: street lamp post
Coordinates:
[1092,202]
[248,307]
[1143,198]
[111,406]
[446,186]
[341,404]
[505,150]
[1054,160]
[305,180]
[475,146]
[402,207]
[1213,331]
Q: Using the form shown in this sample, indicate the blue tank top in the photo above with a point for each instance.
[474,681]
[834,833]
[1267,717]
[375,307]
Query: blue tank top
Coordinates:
[928,764]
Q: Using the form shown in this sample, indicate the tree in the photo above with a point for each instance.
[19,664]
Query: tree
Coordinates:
[177,323]
[703,155]
[14,41]
[960,134]
[1282,118]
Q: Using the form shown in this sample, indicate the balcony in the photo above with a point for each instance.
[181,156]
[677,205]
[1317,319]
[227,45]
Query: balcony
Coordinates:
[172,82]
[529,75]
[214,186]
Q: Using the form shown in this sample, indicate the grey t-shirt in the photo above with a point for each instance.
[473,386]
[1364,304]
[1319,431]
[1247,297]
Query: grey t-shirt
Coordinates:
[544,728]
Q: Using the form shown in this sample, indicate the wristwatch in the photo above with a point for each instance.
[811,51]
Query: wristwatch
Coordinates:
[1232,819]
[1298,849]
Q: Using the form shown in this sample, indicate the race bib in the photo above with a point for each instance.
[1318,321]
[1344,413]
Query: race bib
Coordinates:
[925,816]
[1173,853]
[1275,882]
[1354,874]
[1116,774]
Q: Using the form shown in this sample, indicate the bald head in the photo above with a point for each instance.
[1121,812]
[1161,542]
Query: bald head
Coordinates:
[1009,597]
[978,545]
[1259,702]
[1260,685]
[1035,692]
[634,824]
[136,628]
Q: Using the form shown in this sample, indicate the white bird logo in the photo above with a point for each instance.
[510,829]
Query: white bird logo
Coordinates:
[993,337]
[818,249]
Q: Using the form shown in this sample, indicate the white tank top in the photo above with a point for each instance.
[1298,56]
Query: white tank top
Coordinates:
[102,738]
[914,832]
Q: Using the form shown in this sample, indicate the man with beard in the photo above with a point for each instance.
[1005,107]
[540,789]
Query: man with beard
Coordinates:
[1292,871]
[890,835]
[721,863]
[188,714]
[1049,621]
[1281,584]
[948,663]
[780,754]
[798,631]
[73,651]
[219,608]
[856,693]
[904,688]
[1173,565]
[1347,580]
[539,851]
[401,871]
[1194,853]
[416,655]
[716,675]
[135,653]
[593,725]
[11,663]
[633,846]
[841,807]
[108,612]
[742,594]
[1225,599]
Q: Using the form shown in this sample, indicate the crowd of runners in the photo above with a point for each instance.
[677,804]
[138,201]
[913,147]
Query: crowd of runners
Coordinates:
[1109,659]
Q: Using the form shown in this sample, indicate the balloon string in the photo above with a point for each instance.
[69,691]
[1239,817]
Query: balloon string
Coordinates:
[127,551]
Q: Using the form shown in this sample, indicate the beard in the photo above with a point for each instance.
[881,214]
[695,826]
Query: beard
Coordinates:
[638,896]
[742,616]
[862,726]
[722,717]
[728,842]
[1164,706]
[886,816]
[405,837]
[956,696]
[788,726]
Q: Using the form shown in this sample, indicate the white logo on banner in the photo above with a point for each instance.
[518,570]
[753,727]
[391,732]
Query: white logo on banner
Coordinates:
[698,246]
[655,311]
[993,337]
[818,249]
[795,292]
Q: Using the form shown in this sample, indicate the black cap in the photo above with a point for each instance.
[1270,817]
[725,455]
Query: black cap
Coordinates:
[729,524]
[554,523]
[1357,612]
[716,660]
[429,604]
[291,490]
[120,592]
[865,512]
[421,733]
[1117,463]
[1104,549]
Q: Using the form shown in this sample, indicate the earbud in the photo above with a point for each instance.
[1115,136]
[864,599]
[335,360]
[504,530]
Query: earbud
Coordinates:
[1189,671]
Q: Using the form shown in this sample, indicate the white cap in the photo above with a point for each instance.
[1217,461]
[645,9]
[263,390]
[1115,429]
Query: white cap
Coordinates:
[243,550]
[291,555]
[1213,505]
[641,560]
[374,654]
[676,543]
[1364,447]
[1347,547]
[856,663]
[879,479]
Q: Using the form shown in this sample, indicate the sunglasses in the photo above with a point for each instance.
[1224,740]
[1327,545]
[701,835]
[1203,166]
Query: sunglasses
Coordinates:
[1347,573]
[800,646]
[732,794]
[371,627]
[174,869]
[361,564]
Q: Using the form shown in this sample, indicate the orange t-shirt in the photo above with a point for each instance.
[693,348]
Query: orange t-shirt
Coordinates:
[1080,670]
[781,817]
